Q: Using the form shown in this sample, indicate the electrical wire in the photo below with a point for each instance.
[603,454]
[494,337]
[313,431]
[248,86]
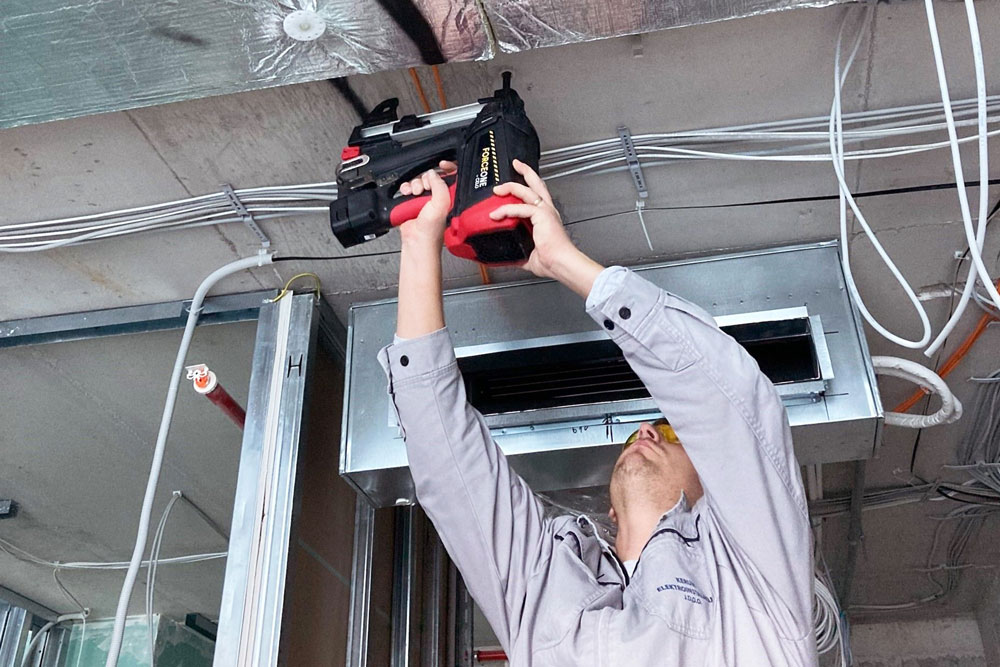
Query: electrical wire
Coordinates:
[161,440]
[285,291]
[837,150]
[737,142]
[26,557]
[973,236]
[980,236]
[154,556]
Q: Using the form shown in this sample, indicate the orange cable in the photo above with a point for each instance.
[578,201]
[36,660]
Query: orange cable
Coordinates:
[420,90]
[440,86]
[484,274]
[953,360]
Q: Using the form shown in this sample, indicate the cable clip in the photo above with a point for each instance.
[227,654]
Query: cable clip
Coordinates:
[247,217]
[635,169]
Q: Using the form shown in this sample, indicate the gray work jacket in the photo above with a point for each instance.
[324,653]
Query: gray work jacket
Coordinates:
[725,582]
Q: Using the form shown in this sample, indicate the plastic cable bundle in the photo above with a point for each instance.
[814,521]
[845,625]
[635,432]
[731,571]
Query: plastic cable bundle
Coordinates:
[951,408]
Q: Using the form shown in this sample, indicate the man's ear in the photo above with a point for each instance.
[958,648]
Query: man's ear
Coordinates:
[612,515]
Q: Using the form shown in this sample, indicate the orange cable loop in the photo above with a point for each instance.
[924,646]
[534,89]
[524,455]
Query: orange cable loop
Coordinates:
[953,360]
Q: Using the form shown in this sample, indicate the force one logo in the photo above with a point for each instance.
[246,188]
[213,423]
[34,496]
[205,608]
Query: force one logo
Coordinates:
[482,178]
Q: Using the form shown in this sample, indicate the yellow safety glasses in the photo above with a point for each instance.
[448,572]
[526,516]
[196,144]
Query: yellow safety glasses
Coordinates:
[665,429]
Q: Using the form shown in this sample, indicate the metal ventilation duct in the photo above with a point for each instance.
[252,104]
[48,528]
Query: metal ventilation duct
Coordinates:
[559,398]
[519,25]
[66,59]
[62,60]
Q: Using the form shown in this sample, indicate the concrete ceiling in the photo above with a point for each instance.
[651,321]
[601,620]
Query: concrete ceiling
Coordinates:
[765,68]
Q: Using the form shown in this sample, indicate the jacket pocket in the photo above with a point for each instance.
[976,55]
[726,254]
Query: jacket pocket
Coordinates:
[672,582]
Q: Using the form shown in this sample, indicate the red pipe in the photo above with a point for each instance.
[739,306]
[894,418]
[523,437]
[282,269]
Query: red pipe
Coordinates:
[207,384]
[228,405]
[490,655]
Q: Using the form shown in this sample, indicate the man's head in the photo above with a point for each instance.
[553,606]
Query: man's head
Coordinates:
[651,472]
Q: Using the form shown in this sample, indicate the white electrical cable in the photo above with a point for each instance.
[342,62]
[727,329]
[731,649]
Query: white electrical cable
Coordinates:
[975,244]
[77,616]
[154,556]
[26,557]
[161,441]
[845,198]
[951,407]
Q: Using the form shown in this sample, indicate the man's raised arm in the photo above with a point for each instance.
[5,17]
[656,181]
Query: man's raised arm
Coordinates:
[726,413]
[487,517]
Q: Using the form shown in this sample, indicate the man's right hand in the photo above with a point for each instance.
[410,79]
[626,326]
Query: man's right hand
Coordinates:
[554,255]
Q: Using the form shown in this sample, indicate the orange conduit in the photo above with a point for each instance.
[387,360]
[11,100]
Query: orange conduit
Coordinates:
[420,90]
[440,86]
[953,360]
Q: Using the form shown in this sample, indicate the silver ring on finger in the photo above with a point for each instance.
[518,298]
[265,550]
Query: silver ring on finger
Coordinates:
[537,202]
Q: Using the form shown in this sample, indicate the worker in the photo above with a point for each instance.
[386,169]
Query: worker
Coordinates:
[712,563]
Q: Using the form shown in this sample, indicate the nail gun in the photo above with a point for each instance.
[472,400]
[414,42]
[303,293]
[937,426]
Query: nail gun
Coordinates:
[482,139]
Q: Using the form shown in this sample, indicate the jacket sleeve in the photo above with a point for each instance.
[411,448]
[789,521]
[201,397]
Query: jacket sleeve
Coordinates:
[730,420]
[488,519]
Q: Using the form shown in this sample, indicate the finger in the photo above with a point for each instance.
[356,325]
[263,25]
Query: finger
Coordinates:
[417,187]
[533,180]
[440,194]
[514,211]
[522,192]
[448,167]
[425,179]
[406,189]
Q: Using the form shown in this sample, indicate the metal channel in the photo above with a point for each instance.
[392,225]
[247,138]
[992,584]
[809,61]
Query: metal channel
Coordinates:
[254,591]
[14,625]
[129,320]
[433,617]
[463,624]
[402,586]
[361,582]
[437,121]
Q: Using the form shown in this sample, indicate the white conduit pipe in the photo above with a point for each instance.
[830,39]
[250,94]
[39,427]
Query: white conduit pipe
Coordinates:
[161,441]
[975,245]
[951,408]
[78,616]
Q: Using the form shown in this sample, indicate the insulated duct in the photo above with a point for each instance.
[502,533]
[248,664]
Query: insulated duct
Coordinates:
[519,25]
[63,60]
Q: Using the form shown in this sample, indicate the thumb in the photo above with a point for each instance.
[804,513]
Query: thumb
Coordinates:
[440,201]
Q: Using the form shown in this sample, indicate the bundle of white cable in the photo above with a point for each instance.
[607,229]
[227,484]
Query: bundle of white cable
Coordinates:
[161,441]
[265,203]
[826,620]
[951,408]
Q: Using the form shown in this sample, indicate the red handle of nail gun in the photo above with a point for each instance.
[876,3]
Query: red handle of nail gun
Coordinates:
[409,207]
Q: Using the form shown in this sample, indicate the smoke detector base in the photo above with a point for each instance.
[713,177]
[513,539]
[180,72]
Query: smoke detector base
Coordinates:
[304,25]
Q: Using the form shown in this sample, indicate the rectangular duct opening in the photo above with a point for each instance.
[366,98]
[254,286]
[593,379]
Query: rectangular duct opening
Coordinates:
[582,373]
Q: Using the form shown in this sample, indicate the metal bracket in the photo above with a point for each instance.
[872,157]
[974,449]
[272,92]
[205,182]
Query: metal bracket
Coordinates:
[635,169]
[245,215]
